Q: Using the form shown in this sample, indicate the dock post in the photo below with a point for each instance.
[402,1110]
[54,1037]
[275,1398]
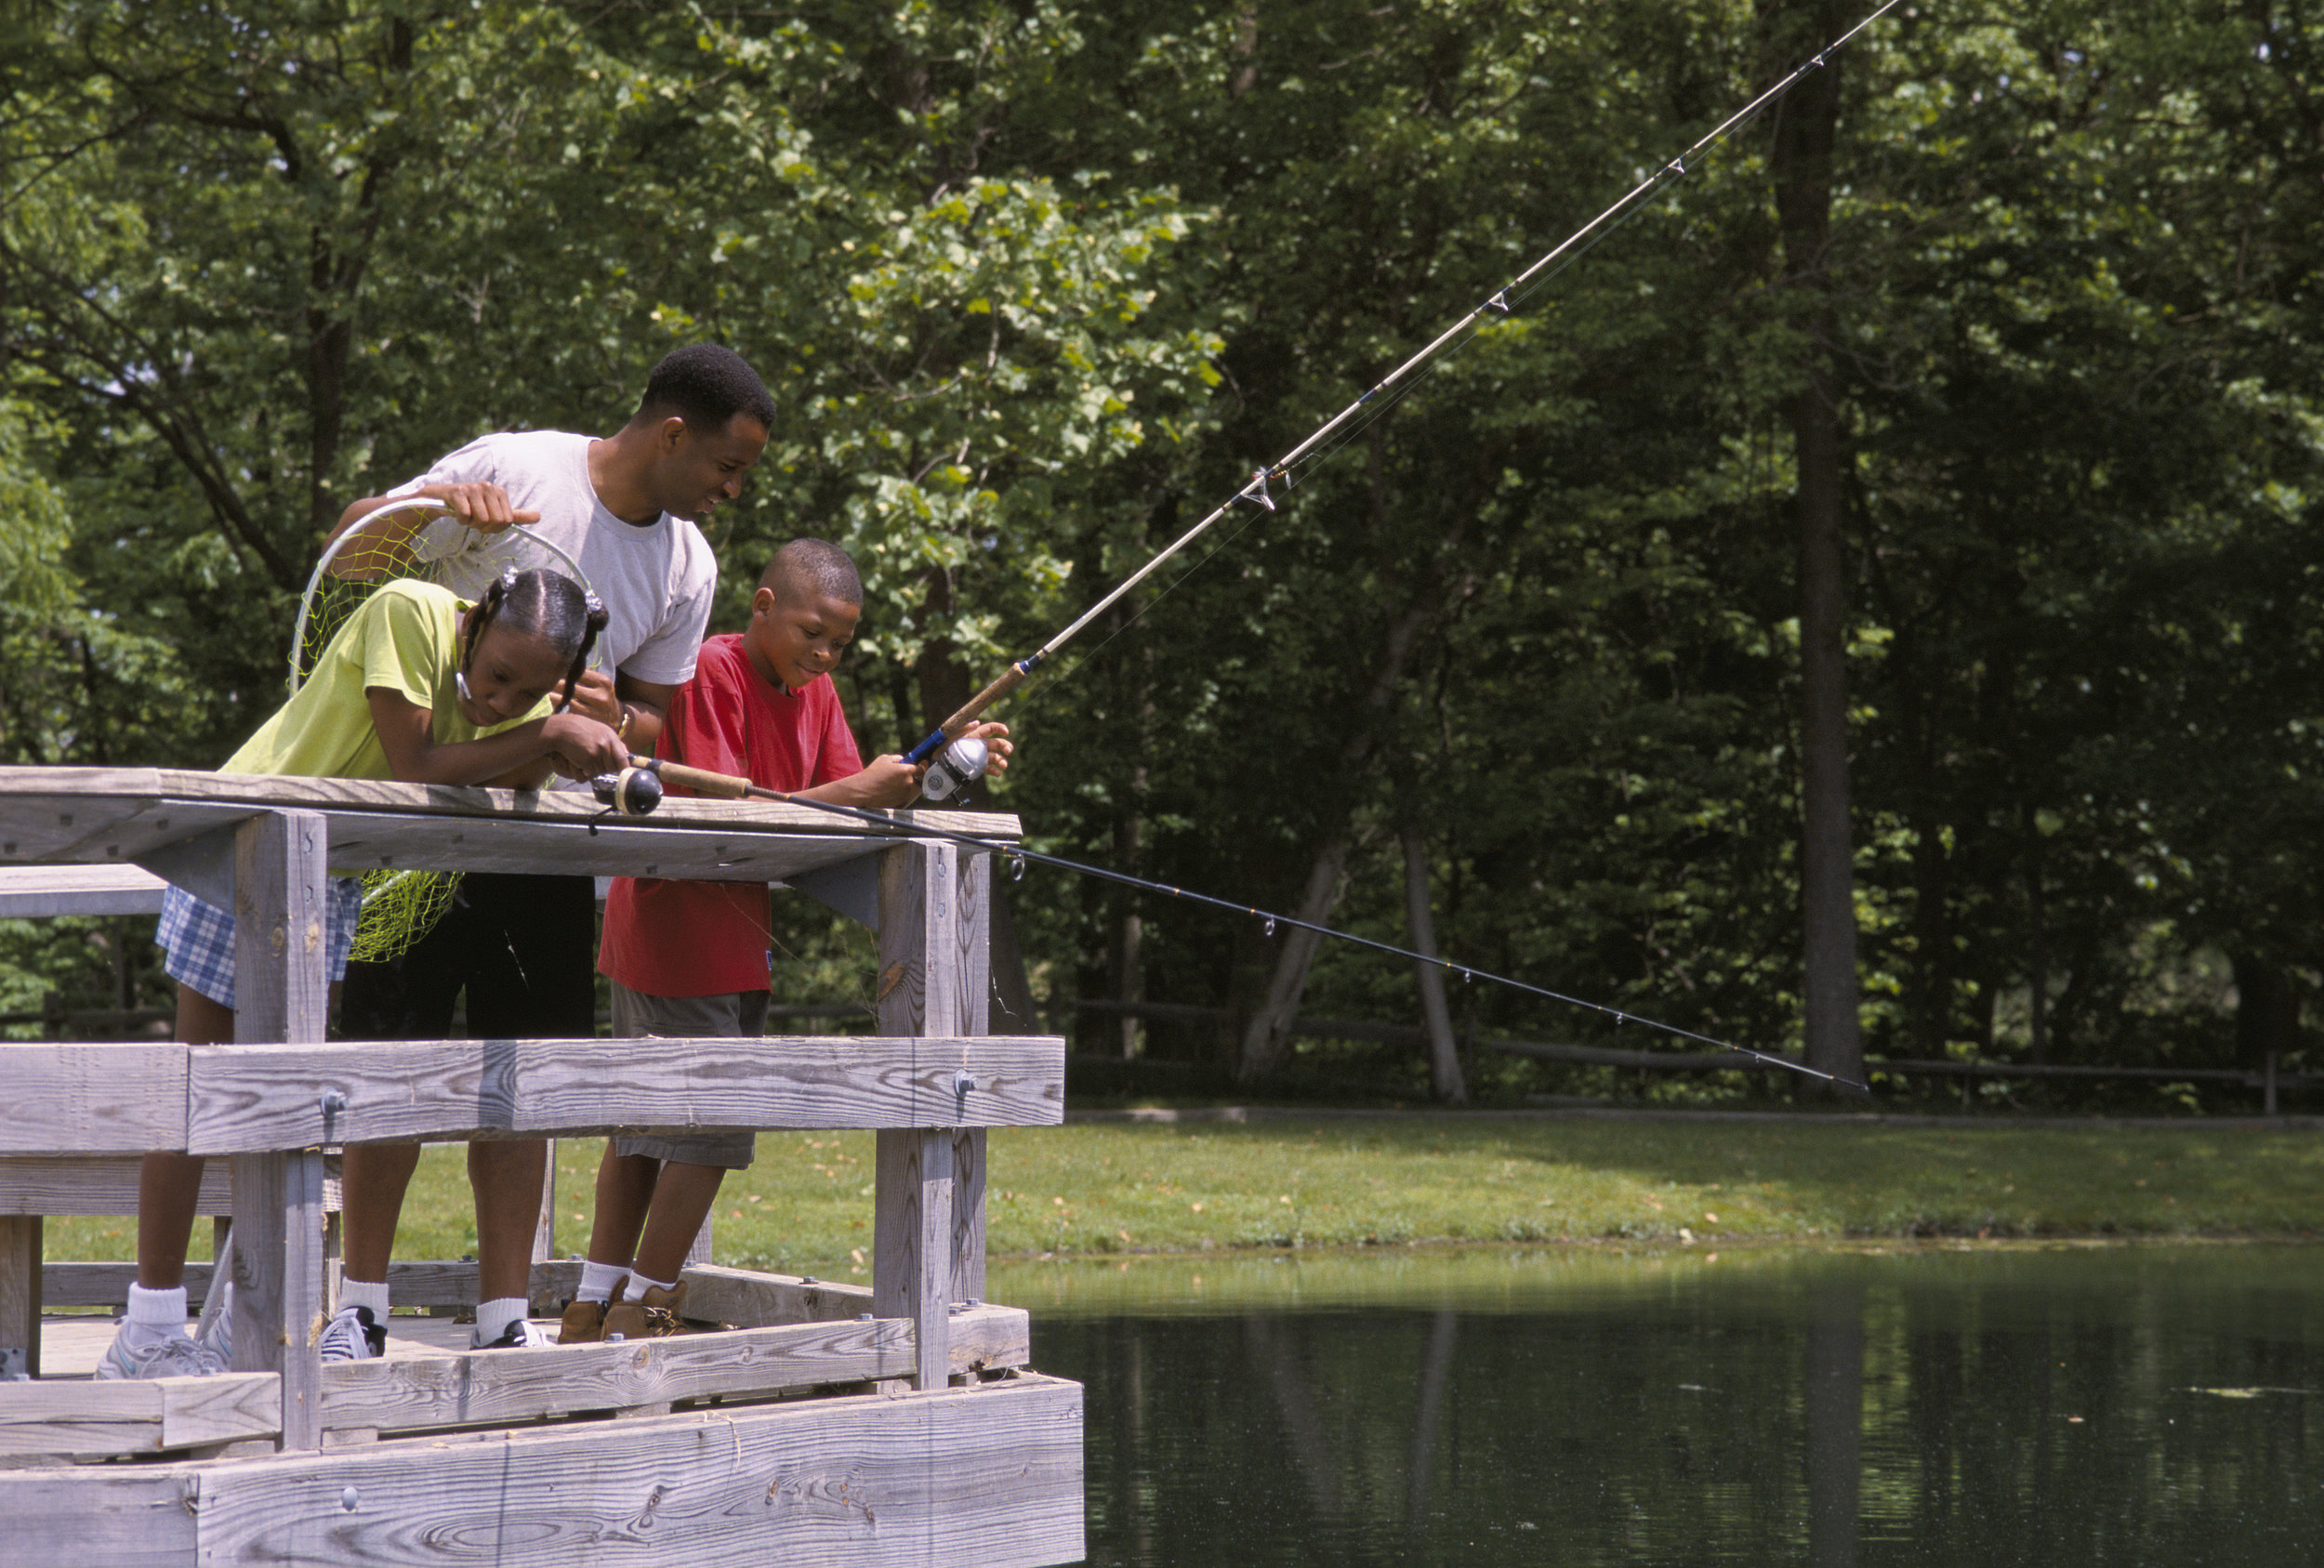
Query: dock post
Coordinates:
[282,895]
[20,1292]
[975,881]
[920,993]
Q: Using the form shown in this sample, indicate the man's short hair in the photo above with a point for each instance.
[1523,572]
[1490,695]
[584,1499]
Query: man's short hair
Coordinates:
[815,563]
[705,384]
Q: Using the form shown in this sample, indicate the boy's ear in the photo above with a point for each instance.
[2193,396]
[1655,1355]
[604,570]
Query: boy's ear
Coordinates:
[762,602]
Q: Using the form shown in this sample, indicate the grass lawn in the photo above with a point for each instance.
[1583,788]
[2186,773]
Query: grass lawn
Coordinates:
[805,1207]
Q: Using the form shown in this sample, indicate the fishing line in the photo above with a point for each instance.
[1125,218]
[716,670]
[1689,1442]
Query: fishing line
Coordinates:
[1398,384]
[729,786]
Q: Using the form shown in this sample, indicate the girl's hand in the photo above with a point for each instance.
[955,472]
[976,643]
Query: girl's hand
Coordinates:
[581,747]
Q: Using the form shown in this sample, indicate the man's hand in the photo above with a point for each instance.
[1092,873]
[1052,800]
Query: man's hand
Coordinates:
[484,508]
[593,695]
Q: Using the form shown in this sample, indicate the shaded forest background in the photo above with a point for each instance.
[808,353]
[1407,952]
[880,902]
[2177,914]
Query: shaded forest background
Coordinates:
[1038,285]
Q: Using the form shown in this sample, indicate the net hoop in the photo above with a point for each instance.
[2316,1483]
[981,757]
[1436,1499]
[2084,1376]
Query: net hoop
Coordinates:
[319,581]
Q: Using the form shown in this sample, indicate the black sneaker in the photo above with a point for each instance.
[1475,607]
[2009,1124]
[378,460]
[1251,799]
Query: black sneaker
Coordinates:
[518,1335]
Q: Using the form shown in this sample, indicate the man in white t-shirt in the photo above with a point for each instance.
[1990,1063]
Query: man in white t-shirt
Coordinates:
[523,948]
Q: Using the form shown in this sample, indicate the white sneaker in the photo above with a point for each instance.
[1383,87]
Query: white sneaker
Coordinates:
[171,1355]
[518,1335]
[352,1334]
[216,1333]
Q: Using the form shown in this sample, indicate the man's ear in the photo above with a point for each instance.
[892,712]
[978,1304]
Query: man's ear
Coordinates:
[672,433]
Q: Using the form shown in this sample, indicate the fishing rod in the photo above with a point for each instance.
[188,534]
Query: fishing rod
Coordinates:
[953,760]
[637,790]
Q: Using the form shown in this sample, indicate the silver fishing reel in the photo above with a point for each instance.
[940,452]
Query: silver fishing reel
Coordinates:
[953,768]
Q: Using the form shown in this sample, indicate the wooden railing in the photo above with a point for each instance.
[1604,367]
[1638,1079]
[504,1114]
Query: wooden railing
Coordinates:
[929,1084]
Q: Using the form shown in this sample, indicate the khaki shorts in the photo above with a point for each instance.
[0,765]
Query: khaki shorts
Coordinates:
[729,1015]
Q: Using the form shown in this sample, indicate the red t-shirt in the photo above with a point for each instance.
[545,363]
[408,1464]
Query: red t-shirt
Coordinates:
[702,939]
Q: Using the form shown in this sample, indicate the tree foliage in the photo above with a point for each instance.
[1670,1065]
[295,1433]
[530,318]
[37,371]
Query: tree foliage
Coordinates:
[1038,285]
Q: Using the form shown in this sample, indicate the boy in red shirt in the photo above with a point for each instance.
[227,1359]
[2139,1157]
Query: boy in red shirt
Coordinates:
[691,958]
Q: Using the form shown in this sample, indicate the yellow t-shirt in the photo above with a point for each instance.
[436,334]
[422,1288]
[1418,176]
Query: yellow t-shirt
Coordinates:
[405,638]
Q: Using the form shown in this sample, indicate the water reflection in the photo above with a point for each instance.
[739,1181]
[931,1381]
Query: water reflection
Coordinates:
[2115,1407]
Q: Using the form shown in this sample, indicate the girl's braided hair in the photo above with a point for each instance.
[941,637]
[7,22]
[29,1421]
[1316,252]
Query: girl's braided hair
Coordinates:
[546,604]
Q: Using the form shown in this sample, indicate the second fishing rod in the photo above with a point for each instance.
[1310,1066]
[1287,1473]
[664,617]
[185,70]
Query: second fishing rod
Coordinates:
[637,790]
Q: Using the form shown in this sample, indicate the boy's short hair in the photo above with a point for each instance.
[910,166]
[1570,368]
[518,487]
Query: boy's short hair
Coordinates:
[816,563]
[705,384]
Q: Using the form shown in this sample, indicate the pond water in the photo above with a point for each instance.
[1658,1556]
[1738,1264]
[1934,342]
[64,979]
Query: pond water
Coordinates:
[2112,1405]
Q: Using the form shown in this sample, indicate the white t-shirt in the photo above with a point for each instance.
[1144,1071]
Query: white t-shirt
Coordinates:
[656,580]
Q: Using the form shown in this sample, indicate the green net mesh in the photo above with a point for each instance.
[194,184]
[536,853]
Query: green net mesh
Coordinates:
[400,907]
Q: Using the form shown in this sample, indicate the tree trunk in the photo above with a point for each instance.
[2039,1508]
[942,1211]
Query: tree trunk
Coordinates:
[1129,933]
[2267,1010]
[1800,160]
[1445,1081]
[1266,1037]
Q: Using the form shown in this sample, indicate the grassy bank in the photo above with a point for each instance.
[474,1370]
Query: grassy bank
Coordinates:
[806,1205]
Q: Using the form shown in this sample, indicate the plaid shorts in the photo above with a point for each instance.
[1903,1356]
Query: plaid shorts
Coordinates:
[197,939]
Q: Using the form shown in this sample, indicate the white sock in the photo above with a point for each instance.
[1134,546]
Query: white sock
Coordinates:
[598,1281]
[366,1293]
[645,1285]
[493,1318]
[156,1314]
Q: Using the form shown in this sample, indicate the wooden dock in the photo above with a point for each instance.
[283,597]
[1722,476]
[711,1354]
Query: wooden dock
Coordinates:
[824,1423]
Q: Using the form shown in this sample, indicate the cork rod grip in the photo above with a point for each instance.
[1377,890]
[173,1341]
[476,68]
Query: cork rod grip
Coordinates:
[1009,680]
[717,787]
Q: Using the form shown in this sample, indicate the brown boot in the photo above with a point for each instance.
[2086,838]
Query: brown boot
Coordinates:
[583,1324]
[651,1316]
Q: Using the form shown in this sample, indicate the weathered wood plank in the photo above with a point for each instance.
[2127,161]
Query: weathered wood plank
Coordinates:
[749,1299]
[373,840]
[918,993]
[241,1099]
[912,1242]
[90,1184]
[832,1081]
[115,1516]
[32,799]
[969,1147]
[988,1477]
[32,893]
[247,1098]
[281,995]
[88,1420]
[413,1392]
[20,1290]
[975,1014]
[98,827]
[93,1098]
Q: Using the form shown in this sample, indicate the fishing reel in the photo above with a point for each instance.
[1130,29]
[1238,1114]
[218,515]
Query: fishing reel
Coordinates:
[633,792]
[953,768]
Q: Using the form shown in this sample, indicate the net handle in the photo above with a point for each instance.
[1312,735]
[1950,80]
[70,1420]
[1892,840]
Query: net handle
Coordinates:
[410,503]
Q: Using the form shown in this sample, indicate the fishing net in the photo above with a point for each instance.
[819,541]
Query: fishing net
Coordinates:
[401,906]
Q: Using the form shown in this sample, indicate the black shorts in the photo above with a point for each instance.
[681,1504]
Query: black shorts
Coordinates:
[523,948]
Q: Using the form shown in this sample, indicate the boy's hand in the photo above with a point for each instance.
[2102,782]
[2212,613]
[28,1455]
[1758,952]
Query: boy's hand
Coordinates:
[582,747]
[889,781]
[998,749]
[484,508]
